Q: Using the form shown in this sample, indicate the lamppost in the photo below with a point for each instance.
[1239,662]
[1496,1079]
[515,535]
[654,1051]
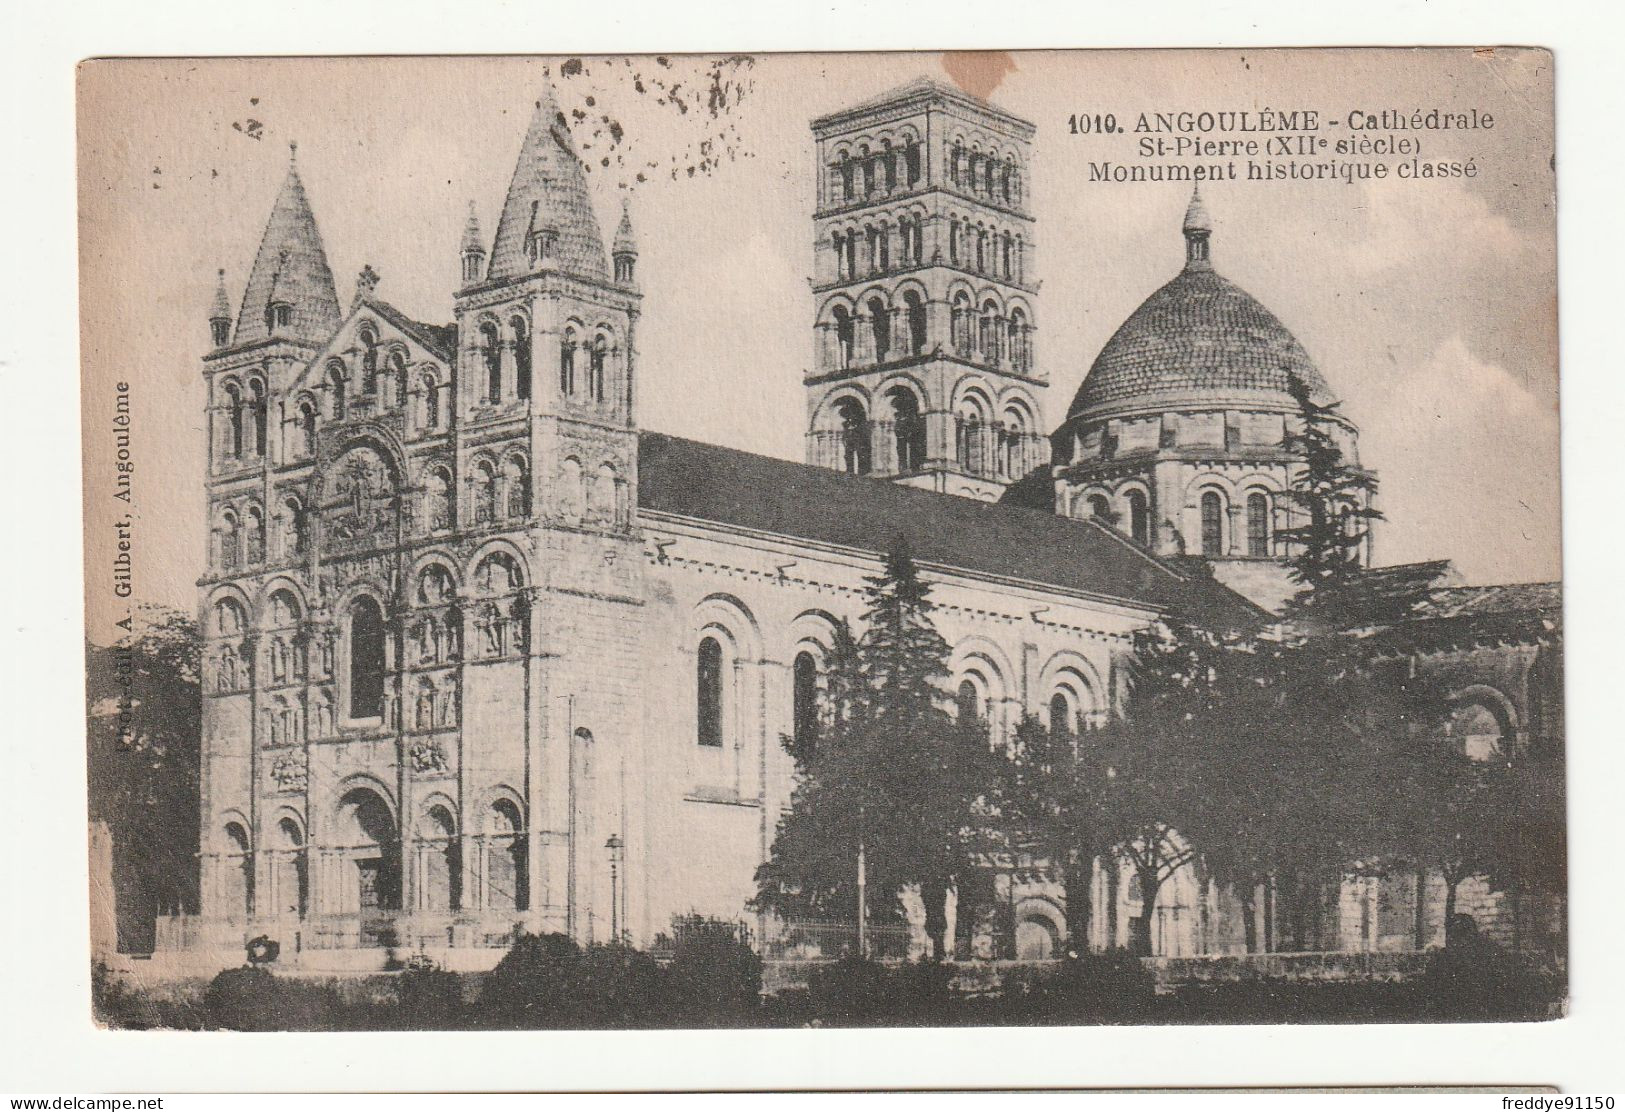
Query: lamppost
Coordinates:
[614,845]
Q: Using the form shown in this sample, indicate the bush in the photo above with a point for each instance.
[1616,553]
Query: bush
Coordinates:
[252,998]
[1113,987]
[534,983]
[715,978]
[429,997]
[857,992]
[1479,981]
[618,986]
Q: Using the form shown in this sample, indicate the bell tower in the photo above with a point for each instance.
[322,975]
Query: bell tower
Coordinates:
[924,368]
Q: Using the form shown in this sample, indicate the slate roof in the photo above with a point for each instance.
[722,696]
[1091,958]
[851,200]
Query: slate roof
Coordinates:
[1504,598]
[291,266]
[548,190]
[438,338]
[739,489]
[1200,338]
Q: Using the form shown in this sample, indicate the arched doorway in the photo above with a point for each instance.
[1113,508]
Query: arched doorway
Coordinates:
[370,842]
[1036,938]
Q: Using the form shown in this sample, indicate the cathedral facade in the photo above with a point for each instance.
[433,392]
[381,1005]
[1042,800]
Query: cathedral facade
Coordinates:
[481,655]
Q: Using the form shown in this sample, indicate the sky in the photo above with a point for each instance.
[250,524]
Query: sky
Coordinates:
[1430,306]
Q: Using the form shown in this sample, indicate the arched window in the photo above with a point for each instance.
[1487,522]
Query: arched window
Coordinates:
[369,360]
[855,458]
[837,243]
[335,383]
[1478,730]
[491,350]
[708,681]
[254,534]
[443,866]
[962,323]
[485,493]
[915,308]
[911,161]
[292,883]
[257,408]
[1139,517]
[880,328]
[908,430]
[507,862]
[518,488]
[431,402]
[307,427]
[234,421]
[953,239]
[230,541]
[845,336]
[1099,507]
[967,702]
[437,499]
[600,354]
[521,357]
[990,335]
[397,377]
[238,873]
[293,528]
[1212,524]
[1013,437]
[804,713]
[1060,714]
[567,363]
[1258,524]
[1020,356]
[366,659]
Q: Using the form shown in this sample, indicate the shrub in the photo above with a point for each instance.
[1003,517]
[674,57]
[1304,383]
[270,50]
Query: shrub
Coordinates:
[857,992]
[714,977]
[428,996]
[617,986]
[534,983]
[1478,980]
[252,998]
[1110,987]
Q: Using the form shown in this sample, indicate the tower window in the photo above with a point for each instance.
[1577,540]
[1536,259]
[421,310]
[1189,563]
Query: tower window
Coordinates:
[708,679]
[804,714]
[880,325]
[1212,524]
[854,432]
[521,358]
[366,659]
[1139,517]
[1258,525]
[567,363]
[491,347]
[967,703]
[600,350]
[1099,508]
[915,308]
[908,431]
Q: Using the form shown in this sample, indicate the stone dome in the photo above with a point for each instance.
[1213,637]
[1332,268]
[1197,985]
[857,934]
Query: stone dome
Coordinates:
[1199,340]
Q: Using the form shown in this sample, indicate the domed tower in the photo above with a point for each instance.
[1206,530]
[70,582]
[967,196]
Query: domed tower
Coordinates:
[1179,434]
[924,289]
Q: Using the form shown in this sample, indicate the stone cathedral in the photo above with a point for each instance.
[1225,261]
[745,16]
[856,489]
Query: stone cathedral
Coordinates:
[481,655]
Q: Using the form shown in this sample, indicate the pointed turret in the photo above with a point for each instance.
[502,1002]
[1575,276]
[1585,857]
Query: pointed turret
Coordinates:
[473,250]
[1197,227]
[220,315]
[625,248]
[547,219]
[290,290]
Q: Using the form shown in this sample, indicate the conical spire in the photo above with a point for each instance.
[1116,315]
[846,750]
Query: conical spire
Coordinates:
[548,194]
[290,268]
[222,300]
[472,240]
[1197,227]
[625,242]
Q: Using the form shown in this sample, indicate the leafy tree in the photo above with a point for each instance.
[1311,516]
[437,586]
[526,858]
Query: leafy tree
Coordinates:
[143,742]
[894,774]
[1333,498]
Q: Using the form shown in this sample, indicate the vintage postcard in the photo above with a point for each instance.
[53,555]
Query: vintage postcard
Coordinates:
[845,539]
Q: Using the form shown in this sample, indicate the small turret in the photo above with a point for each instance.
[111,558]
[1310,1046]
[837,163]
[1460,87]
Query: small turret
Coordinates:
[625,250]
[220,315]
[473,249]
[1197,227]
